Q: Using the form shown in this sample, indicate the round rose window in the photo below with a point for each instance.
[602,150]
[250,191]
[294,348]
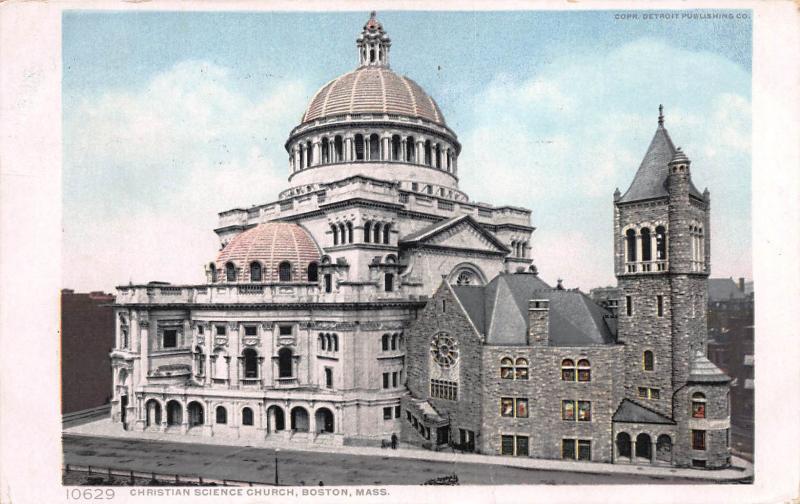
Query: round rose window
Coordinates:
[444,349]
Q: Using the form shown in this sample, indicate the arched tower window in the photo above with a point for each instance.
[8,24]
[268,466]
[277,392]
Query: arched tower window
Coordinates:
[376,232]
[255,272]
[698,405]
[374,147]
[250,358]
[325,150]
[428,152]
[367,231]
[385,339]
[335,232]
[285,271]
[584,371]
[411,148]
[310,154]
[438,161]
[359,141]
[313,272]
[630,245]
[386,229]
[506,368]
[661,243]
[230,272]
[285,367]
[338,148]
[349,232]
[568,370]
[648,360]
[646,248]
[343,233]
[395,147]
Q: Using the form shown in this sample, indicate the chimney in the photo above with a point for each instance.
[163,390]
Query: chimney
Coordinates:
[538,321]
[741,284]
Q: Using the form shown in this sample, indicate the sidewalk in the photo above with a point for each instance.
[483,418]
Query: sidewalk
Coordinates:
[741,469]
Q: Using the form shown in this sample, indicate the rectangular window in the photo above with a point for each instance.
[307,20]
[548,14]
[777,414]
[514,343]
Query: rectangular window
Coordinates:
[285,330]
[660,305]
[328,377]
[522,408]
[649,393]
[507,373]
[568,410]
[522,446]
[444,306]
[584,411]
[250,330]
[643,392]
[655,393]
[442,389]
[328,282]
[394,379]
[386,380]
[220,330]
[698,439]
[387,413]
[506,407]
[397,411]
[584,449]
[170,338]
[521,373]
[629,305]
[506,445]
[568,449]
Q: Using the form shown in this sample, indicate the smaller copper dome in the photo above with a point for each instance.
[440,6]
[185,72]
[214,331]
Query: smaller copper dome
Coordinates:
[269,245]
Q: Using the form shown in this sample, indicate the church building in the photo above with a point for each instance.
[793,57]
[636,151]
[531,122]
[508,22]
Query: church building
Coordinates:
[374,297]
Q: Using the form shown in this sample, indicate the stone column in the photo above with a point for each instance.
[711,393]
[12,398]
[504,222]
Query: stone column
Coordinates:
[653,247]
[385,143]
[633,449]
[348,149]
[638,249]
[403,149]
[144,345]
[235,346]
[296,151]
[317,155]
[653,452]
[209,413]
[208,349]
[421,152]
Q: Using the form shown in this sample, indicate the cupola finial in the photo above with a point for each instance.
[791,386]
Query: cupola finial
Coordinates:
[373,44]
[661,115]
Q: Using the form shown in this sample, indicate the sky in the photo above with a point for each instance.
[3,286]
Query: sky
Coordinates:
[170,118]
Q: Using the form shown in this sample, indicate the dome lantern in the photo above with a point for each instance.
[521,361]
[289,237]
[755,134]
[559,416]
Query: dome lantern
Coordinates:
[373,44]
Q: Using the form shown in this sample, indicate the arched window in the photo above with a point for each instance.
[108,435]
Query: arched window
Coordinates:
[285,272]
[285,367]
[568,370]
[349,232]
[328,342]
[313,272]
[343,232]
[506,368]
[321,341]
[395,148]
[394,341]
[213,269]
[646,250]
[661,243]
[648,360]
[247,416]
[335,342]
[335,232]
[521,369]
[584,371]
[411,148]
[376,232]
[698,405]
[367,231]
[438,162]
[222,415]
[386,229]
[250,358]
[385,342]
[302,150]
[388,282]
[325,151]
[374,147]
[310,153]
[359,141]
[230,272]
[338,148]
[255,272]
[630,241]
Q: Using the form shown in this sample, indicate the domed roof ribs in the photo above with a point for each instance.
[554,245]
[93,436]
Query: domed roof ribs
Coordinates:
[650,181]
[411,96]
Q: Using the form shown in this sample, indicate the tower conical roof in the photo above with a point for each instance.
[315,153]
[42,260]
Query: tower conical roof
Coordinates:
[650,180]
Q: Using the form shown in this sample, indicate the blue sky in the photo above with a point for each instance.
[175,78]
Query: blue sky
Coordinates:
[170,118]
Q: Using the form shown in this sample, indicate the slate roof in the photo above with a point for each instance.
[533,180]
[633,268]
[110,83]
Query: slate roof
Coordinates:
[702,370]
[499,311]
[650,180]
[723,289]
[631,412]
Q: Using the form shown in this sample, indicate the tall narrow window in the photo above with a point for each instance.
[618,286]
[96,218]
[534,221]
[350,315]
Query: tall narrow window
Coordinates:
[630,242]
[648,360]
[313,272]
[388,282]
[335,233]
[328,377]
[285,367]
[660,306]
[661,243]
[213,269]
[285,272]
[629,305]
[367,231]
[328,282]
[359,141]
[646,249]
[250,358]
[230,272]
[349,232]
[255,272]
[386,231]
[698,439]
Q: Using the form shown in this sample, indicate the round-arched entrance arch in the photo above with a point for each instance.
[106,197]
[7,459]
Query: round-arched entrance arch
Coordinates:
[324,420]
[195,411]
[299,419]
[174,413]
[664,448]
[624,445]
[644,447]
[152,410]
[276,420]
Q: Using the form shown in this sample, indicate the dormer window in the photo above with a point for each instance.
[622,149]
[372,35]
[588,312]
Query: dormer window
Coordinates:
[230,272]
[285,271]
[255,272]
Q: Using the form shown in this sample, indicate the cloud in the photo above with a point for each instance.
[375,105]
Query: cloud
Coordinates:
[560,141]
[147,170]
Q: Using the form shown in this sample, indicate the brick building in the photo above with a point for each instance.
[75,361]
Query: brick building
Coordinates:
[87,337]
[519,368]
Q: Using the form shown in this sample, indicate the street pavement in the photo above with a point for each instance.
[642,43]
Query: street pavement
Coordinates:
[309,468]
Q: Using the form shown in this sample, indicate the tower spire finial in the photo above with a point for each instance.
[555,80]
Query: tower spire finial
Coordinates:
[373,44]
[661,115]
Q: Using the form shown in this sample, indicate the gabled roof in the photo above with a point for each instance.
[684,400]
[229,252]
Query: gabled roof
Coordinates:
[650,180]
[702,370]
[499,311]
[631,412]
[434,229]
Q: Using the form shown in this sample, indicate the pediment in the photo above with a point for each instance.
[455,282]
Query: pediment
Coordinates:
[460,234]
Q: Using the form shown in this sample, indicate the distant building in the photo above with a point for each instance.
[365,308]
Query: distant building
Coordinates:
[87,337]
[730,346]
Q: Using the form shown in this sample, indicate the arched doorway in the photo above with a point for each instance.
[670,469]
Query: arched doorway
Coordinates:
[299,419]
[275,419]
[624,445]
[195,411]
[664,448]
[152,410]
[324,420]
[174,413]
[644,447]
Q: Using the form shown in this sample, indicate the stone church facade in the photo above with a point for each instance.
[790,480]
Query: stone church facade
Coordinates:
[374,297]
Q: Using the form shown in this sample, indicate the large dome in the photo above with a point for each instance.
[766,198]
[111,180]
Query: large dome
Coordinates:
[269,245]
[373,90]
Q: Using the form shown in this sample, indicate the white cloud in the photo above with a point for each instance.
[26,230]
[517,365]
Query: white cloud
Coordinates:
[559,142]
[147,170]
